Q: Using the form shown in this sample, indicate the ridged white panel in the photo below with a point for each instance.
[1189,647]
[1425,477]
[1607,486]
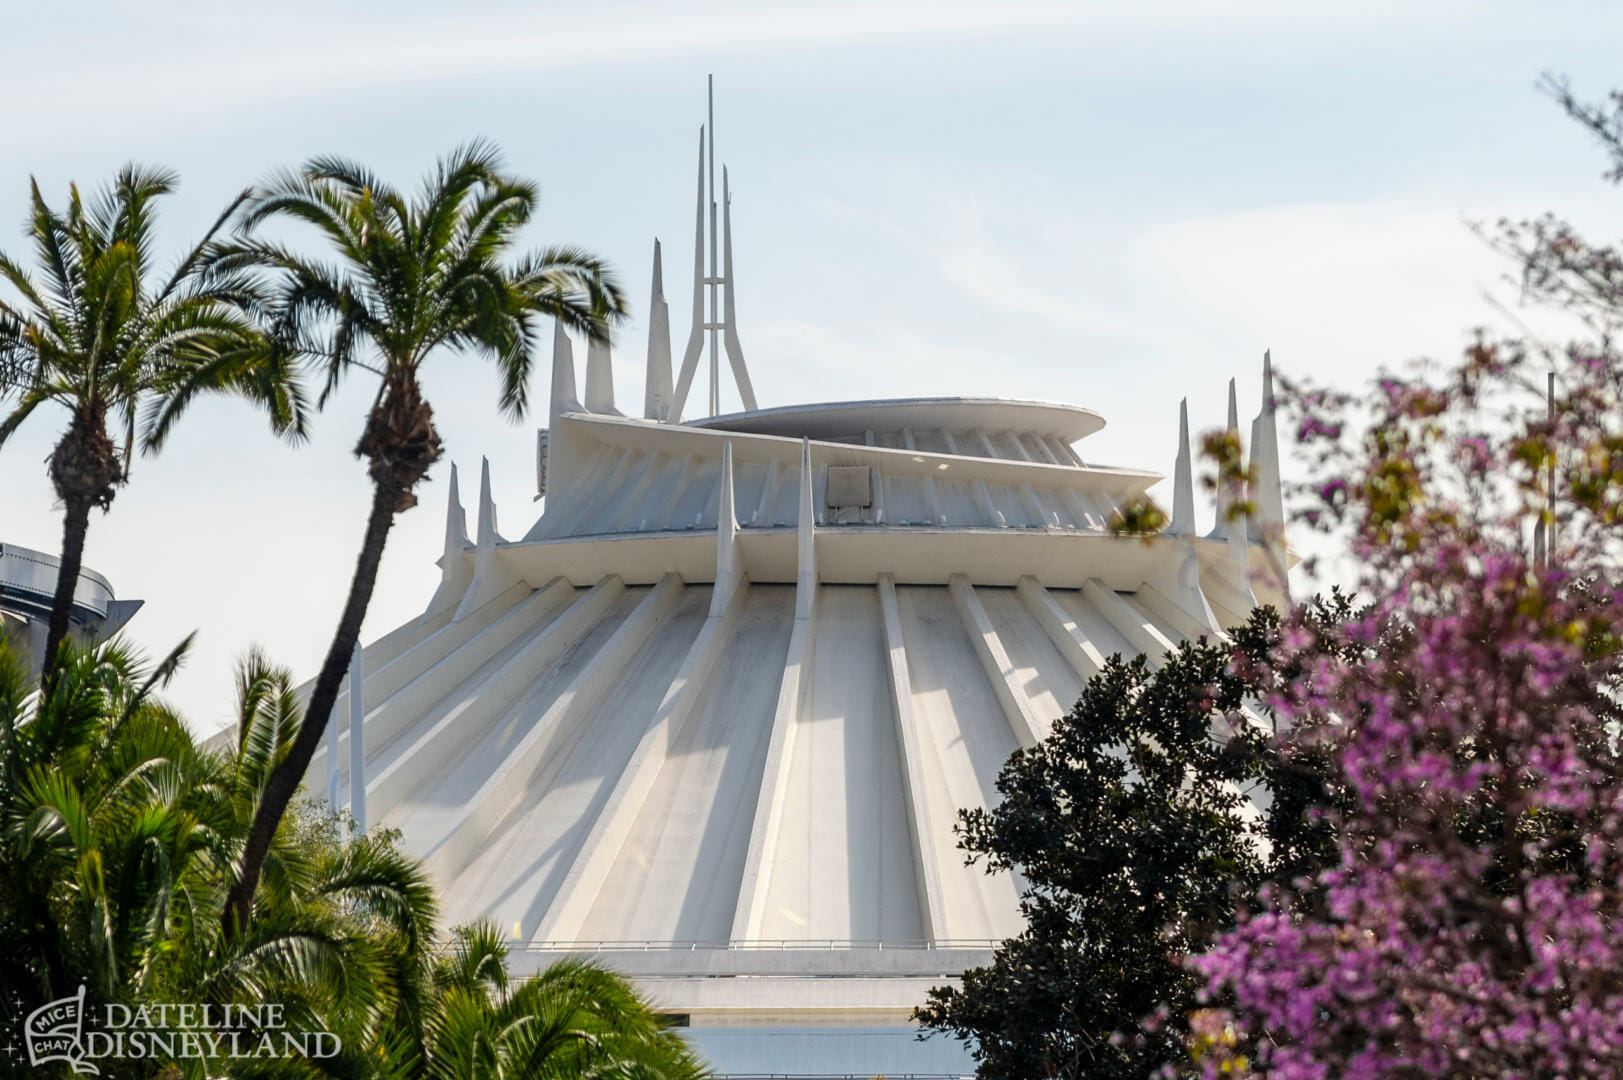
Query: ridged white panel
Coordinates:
[842,867]
[642,513]
[958,503]
[1054,508]
[630,485]
[439,804]
[1011,503]
[400,692]
[696,507]
[397,641]
[968,443]
[1041,673]
[677,875]
[964,740]
[783,509]
[749,480]
[516,875]
[904,501]
[1093,626]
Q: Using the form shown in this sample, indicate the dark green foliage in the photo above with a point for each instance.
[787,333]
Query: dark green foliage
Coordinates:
[1156,807]
[119,837]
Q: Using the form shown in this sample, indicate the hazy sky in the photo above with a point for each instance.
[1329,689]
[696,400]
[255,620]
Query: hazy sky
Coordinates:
[1111,203]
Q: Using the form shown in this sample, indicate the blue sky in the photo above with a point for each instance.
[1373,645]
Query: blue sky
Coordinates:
[1112,203]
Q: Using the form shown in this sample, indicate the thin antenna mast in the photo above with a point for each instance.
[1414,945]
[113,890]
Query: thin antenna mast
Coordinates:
[717,317]
[713,323]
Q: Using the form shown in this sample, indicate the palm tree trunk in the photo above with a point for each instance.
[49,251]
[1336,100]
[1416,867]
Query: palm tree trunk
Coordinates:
[75,524]
[285,780]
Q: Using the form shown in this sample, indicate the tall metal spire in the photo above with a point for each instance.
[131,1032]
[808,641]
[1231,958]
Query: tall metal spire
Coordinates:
[715,280]
[712,309]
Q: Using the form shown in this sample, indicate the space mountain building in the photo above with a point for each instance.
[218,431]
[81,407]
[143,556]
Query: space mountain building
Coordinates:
[711,718]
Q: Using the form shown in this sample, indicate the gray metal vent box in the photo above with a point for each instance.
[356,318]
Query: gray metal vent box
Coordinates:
[850,486]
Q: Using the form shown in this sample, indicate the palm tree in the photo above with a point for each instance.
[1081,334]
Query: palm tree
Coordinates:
[118,836]
[118,839]
[103,334]
[411,277]
[573,1019]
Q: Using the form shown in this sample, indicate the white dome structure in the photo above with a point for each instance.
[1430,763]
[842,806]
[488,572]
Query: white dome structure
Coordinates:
[712,717]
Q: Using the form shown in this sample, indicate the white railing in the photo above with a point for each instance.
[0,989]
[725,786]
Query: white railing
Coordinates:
[772,944]
[839,1076]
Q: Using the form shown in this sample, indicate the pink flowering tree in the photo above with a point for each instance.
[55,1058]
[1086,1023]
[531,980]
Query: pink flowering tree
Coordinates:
[1472,926]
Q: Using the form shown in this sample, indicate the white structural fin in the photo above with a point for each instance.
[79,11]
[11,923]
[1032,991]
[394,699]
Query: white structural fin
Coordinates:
[657,390]
[735,351]
[333,776]
[491,577]
[600,379]
[1234,532]
[564,398]
[357,740]
[1183,479]
[1239,560]
[1267,493]
[727,559]
[1223,526]
[690,357]
[456,570]
[805,528]
[1180,579]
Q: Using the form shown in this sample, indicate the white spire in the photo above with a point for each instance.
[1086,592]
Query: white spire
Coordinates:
[1225,499]
[599,378]
[726,536]
[735,351]
[657,392]
[455,570]
[1267,494]
[1239,546]
[563,375]
[456,518]
[1183,479]
[491,577]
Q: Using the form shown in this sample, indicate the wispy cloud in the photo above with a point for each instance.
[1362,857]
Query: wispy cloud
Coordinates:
[320,52]
[1006,260]
[209,61]
[1363,284]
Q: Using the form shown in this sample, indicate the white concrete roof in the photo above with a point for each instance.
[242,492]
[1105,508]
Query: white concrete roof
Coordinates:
[700,710]
[714,714]
[839,418]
